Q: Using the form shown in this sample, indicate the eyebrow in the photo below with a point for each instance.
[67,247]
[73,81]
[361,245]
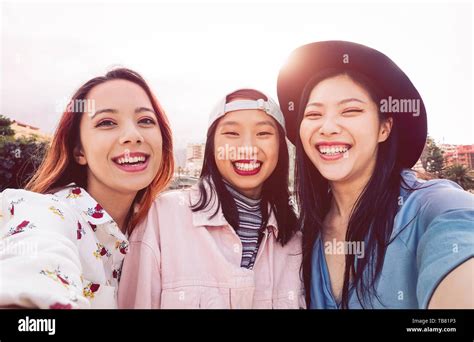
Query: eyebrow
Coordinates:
[266,122]
[352,99]
[115,111]
[260,123]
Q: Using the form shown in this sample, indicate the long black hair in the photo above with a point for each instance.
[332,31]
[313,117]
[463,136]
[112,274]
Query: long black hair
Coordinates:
[275,192]
[367,223]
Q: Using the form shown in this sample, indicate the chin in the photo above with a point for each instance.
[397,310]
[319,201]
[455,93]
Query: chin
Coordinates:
[333,173]
[246,184]
[134,186]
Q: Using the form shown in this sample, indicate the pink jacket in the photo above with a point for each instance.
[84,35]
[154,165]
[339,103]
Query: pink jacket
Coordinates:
[181,259]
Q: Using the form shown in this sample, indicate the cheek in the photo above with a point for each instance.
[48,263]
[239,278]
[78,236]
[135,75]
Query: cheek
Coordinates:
[307,130]
[155,139]
[220,155]
[272,151]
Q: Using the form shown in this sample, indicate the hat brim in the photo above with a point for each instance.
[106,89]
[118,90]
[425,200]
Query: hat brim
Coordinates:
[309,60]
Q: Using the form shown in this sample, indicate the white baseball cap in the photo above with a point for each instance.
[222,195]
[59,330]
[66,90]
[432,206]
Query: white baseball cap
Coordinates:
[269,106]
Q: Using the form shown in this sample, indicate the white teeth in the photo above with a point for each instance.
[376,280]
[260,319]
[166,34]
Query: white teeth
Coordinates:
[333,149]
[131,160]
[247,166]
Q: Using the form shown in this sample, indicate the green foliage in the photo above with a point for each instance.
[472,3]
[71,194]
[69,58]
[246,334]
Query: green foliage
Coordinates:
[19,158]
[459,174]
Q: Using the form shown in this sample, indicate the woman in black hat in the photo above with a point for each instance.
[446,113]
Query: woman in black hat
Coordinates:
[374,236]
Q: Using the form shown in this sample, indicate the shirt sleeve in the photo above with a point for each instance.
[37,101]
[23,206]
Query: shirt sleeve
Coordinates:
[140,281]
[40,265]
[448,239]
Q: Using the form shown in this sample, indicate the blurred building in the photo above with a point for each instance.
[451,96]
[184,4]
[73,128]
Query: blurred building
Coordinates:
[458,154]
[194,159]
[23,130]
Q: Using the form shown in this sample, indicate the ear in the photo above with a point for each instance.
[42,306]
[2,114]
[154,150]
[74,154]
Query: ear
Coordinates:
[385,129]
[79,155]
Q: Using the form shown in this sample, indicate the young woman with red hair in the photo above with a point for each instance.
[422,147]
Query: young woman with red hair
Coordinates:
[64,237]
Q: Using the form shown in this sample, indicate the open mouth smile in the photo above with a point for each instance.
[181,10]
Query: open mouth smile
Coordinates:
[247,167]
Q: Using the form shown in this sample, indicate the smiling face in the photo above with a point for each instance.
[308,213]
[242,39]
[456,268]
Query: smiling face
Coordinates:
[121,142]
[246,147]
[340,130]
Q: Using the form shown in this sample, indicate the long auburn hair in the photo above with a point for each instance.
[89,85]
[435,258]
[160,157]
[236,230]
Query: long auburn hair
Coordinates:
[274,191]
[367,223]
[59,167]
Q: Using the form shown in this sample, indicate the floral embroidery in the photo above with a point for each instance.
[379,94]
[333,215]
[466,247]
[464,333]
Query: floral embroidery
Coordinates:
[80,230]
[96,212]
[21,227]
[12,205]
[57,276]
[56,211]
[93,226]
[90,289]
[87,216]
[101,251]
[74,193]
[122,246]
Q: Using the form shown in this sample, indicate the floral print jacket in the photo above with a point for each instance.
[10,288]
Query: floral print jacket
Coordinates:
[60,251]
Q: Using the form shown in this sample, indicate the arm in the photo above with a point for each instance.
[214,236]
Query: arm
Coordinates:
[140,281]
[456,291]
[445,251]
[39,260]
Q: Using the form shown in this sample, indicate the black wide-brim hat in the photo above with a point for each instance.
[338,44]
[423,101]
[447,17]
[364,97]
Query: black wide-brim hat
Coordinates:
[312,59]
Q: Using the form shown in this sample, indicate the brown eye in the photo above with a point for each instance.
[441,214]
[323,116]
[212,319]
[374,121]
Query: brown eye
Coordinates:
[105,123]
[147,121]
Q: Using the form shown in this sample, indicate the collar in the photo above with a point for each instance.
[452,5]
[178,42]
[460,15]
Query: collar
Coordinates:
[80,199]
[203,218]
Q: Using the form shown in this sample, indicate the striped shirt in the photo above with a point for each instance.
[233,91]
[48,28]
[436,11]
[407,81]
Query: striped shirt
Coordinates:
[250,221]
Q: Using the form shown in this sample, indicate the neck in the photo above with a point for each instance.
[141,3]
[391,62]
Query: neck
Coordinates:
[345,194]
[254,193]
[116,204]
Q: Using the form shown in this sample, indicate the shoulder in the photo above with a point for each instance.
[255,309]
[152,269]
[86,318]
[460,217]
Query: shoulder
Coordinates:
[33,201]
[167,210]
[173,198]
[436,197]
[23,210]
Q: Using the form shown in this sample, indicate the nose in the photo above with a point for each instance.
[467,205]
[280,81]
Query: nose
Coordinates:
[330,125]
[131,134]
[249,144]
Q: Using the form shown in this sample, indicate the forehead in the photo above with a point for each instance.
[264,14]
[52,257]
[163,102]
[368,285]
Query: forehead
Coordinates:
[247,117]
[117,93]
[337,88]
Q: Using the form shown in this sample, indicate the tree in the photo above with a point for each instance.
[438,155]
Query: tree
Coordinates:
[459,173]
[432,158]
[5,129]
[19,157]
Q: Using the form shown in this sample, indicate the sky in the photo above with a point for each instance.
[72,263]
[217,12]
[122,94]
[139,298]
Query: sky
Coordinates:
[193,53]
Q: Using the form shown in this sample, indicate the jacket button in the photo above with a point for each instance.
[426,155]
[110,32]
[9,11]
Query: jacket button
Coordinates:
[236,248]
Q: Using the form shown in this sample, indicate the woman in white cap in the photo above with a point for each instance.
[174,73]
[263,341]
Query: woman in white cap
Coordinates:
[374,236]
[231,241]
